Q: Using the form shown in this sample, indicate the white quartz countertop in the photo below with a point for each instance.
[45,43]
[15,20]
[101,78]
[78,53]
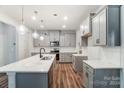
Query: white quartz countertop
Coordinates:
[102,64]
[79,55]
[31,64]
[65,51]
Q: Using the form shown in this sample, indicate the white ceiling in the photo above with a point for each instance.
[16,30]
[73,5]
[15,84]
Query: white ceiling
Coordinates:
[75,13]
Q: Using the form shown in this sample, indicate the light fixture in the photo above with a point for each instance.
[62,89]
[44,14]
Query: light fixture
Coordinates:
[55,14]
[34,16]
[82,27]
[22,27]
[41,37]
[42,26]
[65,18]
[35,35]
[64,26]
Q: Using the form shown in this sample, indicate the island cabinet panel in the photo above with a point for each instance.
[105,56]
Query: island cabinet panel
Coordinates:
[100,77]
[31,80]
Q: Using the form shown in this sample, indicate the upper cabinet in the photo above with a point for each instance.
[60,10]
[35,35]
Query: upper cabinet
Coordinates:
[54,36]
[105,27]
[85,27]
[67,39]
[44,42]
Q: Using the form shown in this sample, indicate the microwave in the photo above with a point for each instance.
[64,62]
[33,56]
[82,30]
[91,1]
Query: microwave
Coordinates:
[54,43]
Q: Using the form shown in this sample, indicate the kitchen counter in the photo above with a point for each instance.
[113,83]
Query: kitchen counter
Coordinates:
[102,64]
[80,55]
[31,64]
[31,72]
[61,51]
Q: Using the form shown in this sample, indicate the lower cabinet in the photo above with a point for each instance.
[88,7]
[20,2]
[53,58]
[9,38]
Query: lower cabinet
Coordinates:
[77,62]
[100,78]
[35,80]
[66,57]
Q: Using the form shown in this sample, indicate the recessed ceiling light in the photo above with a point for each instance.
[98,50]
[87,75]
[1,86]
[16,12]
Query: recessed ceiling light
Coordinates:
[65,18]
[33,17]
[55,15]
[42,26]
[64,26]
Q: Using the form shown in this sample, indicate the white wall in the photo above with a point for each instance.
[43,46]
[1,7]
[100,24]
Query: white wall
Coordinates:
[22,40]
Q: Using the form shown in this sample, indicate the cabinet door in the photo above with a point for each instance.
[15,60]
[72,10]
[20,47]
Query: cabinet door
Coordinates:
[45,42]
[56,35]
[72,40]
[95,30]
[51,36]
[102,27]
[67,40]
[62,42]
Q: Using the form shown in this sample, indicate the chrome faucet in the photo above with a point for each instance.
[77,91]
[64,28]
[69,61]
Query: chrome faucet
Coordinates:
[40,52]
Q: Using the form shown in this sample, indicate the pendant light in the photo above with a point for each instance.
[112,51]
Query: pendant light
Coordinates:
[41,38]
[35,35]
[22,27]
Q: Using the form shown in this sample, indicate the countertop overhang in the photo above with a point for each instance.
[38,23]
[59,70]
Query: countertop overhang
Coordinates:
[32,64]
[102,64]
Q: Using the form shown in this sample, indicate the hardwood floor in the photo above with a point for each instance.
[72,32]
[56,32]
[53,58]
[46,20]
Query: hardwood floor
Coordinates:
[65,77]
[3,81]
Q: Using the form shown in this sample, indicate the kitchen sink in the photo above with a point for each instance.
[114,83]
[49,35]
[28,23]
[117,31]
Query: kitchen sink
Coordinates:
[46,58]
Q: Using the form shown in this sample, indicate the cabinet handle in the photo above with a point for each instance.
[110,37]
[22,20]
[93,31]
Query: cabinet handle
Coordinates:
[97,40]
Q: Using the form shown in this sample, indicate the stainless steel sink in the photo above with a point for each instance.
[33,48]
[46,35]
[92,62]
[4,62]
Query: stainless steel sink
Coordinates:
[46,58]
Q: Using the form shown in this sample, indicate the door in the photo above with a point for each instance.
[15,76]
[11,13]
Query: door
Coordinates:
[1,45]
[10,43]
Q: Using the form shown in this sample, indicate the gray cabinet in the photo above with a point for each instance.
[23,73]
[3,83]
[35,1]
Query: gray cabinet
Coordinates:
[44,42]
[54,35]
[72,40]
[66,57]
[100,78]
[68,39]
[62,40]
[105,26]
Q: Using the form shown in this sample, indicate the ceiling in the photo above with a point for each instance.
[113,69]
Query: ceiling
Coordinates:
[75,14]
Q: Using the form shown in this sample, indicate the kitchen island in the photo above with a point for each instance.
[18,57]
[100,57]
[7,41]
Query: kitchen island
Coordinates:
[31,72]
[101,74]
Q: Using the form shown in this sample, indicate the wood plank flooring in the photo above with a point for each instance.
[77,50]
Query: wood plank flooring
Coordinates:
[64,77]
[3,81]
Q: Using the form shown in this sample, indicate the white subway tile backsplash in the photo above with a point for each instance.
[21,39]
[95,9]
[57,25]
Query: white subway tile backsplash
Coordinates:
[94,53]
